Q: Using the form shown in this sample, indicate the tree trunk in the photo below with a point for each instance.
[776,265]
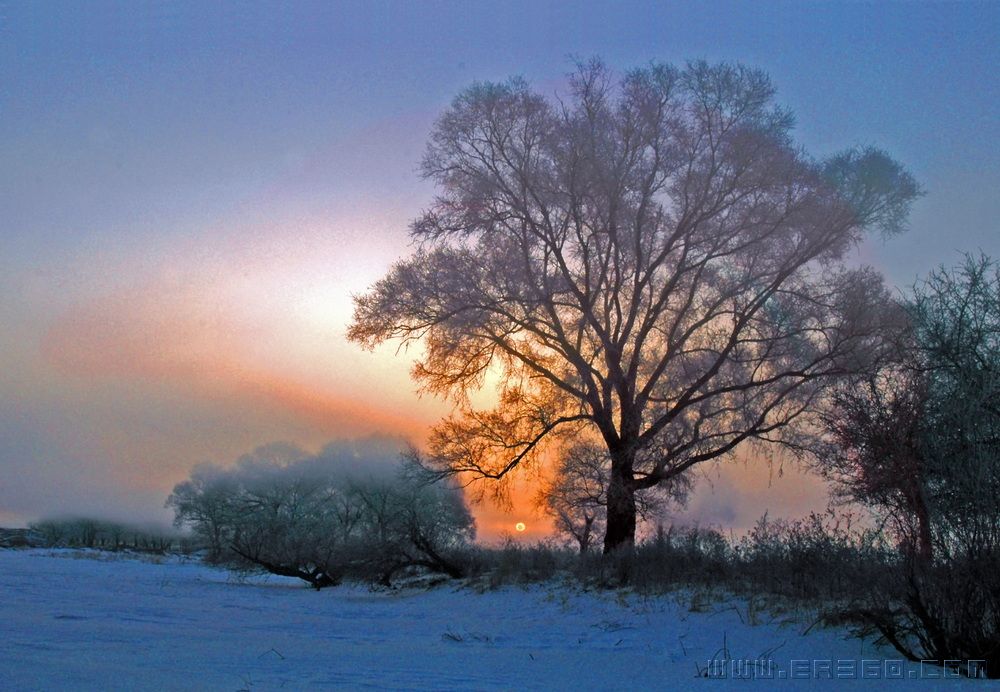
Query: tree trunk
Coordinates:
[584,538]
[925,539]
[620,534]
[922,548]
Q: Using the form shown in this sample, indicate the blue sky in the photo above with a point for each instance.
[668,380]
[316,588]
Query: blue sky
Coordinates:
[198,180]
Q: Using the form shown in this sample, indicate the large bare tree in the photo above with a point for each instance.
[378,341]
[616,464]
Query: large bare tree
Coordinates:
[651,257]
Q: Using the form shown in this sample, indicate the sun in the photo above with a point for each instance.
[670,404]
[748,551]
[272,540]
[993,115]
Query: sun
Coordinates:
[520,526]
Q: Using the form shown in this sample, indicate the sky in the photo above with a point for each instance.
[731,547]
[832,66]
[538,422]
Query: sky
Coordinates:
[190,194]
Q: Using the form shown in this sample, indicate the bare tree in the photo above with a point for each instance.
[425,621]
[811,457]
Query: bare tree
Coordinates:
[652,259]
[576,496]
[875,452]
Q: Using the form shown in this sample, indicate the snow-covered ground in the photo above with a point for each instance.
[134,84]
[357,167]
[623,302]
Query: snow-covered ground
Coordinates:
[91,621]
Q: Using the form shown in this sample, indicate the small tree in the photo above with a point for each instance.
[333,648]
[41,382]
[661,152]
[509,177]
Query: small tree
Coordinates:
[651,260]
[576,497]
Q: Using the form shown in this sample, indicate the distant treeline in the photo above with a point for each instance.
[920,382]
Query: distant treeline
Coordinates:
[85,532]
